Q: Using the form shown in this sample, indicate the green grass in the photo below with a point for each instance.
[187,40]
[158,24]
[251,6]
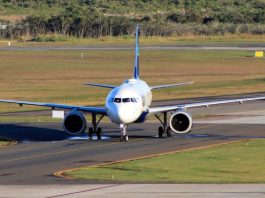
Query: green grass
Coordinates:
[234,163]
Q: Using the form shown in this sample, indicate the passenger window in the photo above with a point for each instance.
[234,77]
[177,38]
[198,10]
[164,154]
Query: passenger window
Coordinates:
[126,100]
[117,100]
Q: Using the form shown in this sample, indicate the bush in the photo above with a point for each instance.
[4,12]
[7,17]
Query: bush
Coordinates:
[54,38]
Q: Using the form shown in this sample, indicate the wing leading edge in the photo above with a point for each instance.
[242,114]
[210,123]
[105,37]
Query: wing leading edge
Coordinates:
[97,110]
[155,110]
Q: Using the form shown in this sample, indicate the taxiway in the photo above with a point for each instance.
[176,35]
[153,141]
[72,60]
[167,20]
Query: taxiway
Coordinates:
[43,148]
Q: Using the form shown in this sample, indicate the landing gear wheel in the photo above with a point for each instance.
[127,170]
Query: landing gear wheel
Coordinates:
[95,128]
[160,132]
[90,132]
[168,132]
[124,138]
[99,130]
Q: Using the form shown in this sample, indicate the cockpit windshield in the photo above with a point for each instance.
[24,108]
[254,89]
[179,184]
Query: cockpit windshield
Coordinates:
[124,100]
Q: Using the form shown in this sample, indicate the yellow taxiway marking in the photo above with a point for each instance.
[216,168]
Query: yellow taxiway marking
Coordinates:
[62,172]
[67,151]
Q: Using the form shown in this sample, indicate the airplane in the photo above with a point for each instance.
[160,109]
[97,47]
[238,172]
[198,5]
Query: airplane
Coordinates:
[131,103]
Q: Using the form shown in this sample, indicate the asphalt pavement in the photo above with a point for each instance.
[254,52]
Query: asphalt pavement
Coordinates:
[43,148]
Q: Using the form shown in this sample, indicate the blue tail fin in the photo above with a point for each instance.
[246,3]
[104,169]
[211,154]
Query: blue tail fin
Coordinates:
[136,58]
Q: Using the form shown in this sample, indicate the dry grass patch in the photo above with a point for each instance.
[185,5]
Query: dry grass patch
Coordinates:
[58,76]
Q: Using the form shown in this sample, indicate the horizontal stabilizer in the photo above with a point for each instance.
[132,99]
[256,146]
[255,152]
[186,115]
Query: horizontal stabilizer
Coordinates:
[171,85]
[100,85]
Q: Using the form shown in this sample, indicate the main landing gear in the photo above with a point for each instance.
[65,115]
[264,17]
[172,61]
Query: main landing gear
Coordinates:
[124,137]
[95,128]
[162,117]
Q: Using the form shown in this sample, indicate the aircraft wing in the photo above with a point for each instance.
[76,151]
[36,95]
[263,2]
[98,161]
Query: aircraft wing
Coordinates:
[155,110]
[101,85]
[97,110]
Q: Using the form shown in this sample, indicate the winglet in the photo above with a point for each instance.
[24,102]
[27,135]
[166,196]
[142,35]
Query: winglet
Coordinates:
[136,58]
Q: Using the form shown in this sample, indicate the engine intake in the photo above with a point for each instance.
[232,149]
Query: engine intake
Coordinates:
[181,122]
[75,123]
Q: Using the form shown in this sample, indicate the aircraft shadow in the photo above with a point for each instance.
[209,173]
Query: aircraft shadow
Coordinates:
[30,133]
[22,133]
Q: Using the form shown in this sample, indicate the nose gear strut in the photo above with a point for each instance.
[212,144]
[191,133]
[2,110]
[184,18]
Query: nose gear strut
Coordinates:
[124,137]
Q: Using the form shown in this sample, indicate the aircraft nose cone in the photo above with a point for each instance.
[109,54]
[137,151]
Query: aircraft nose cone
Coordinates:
[127,115]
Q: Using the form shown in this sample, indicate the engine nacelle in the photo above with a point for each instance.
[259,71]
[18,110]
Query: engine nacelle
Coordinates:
[181,122]
[75,123]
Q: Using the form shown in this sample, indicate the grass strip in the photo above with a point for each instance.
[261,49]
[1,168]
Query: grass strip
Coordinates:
[59,40]
[234,163]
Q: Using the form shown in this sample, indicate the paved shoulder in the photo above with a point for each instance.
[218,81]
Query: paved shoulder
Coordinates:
[136,190]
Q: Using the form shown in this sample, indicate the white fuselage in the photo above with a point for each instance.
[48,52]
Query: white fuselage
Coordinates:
[129,102]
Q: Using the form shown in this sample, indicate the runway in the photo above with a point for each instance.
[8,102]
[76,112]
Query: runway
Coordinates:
[43,148]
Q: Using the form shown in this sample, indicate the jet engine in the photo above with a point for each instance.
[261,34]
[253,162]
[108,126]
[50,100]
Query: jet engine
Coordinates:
[75,123]
[181,122]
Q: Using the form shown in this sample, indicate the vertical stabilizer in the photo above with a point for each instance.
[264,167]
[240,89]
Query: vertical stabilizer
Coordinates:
[136,58]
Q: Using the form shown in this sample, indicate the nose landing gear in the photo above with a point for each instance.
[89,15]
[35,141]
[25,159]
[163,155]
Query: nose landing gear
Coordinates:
[164,128]
[124,137]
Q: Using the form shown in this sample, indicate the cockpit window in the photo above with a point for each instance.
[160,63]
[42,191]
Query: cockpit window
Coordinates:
[133,100]
[117,100]
[126,100]
[123,100]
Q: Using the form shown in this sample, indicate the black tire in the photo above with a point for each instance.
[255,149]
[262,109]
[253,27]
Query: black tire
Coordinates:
[126,138]
[121,138]
[160,132]
[90,132]
[99,130]
[169,132]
